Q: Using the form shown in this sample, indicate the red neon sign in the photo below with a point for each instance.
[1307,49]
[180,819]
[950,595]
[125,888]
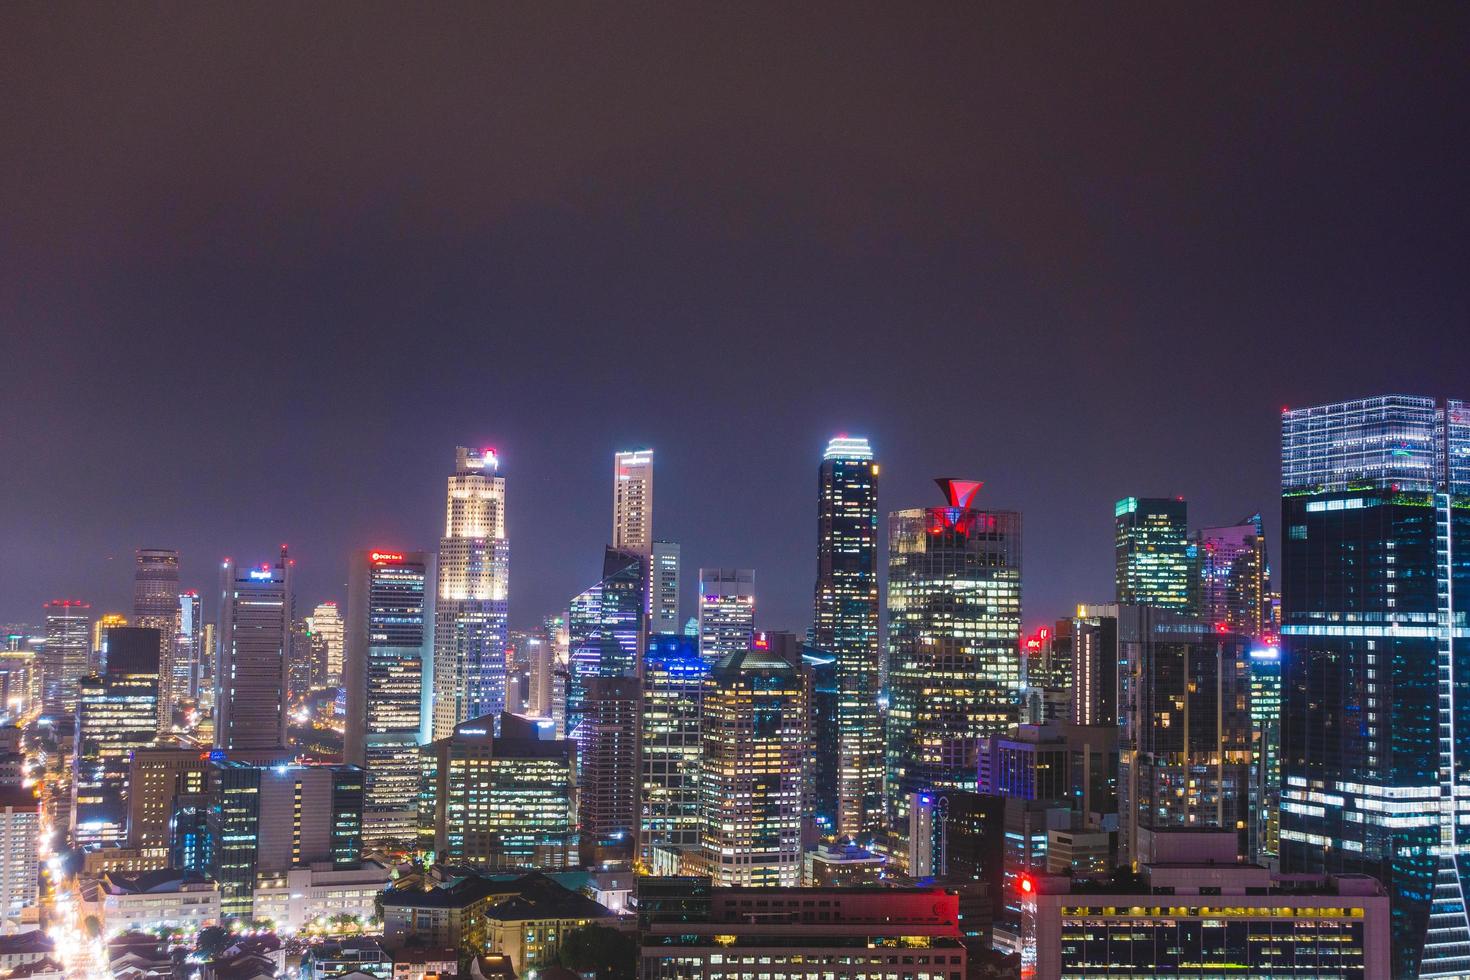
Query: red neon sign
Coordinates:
[382,556]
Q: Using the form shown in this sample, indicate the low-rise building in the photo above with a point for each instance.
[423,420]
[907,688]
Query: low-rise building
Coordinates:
[425,963]
[294,898]
[167,899]
[363,955]
[1206,918]
[47,968]
[795,933]
[102,858]
[25,947]
[523,917]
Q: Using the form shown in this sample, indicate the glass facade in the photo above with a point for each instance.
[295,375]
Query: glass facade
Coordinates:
[387,637]
[726,612]
[1375,564]
[1231,577]
[954,621]
[117,713]
[674,679]
[1265,681]
[846,626]
[1152,552]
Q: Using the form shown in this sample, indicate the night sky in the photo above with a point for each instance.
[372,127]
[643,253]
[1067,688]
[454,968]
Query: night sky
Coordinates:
[262,267]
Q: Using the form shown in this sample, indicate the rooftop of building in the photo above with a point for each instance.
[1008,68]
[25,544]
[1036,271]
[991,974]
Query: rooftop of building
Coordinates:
[528,896]
[151,882]
[21,943]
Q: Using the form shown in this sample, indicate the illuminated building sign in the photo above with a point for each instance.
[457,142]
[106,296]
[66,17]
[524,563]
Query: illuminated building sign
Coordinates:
[260,574]
[382,556]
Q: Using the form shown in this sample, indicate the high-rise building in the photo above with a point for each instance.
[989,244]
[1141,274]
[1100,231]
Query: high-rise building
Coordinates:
[1185,726]
[117,712]
[327,629]
[726,611]
[1151,552]
[190,652]
[20,860]
[387,641]
[663,573]
[499,801]
[470,628]
[674,679]
[1232,577]
[822,760]
[1265,681]
[156,606]
[845,625]
[100,626]
[633,501]
[264,820]
[256,611]
[752,783]
[64,658]
[954,620]
[605,625]
[607,790]
[1374,593]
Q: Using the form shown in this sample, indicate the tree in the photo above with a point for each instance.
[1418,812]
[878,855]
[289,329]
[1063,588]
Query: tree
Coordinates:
[611,954]
[92,926]
[212,940]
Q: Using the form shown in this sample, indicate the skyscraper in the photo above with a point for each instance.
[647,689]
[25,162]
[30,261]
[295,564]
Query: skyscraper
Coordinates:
[470,629]
[1232,577]
[752,780]
[327,629]
[1373,724]
[674,680]
[1183,711]
[633,501]
[255,616]
[607,791]
[156,606]
[117,714]
[190,652]
[386,644]
[1265,681]
[64,658]
[1151,552]
[846,625]
[726,611]
[606,627]
[663,576]
[499,801]
[954,620]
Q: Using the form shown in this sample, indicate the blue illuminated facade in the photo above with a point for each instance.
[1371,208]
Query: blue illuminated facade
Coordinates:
[1375,582]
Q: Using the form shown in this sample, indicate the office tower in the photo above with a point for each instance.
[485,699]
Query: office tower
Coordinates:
[499,801]
[470,629]
[1047,663]
[256,613]
[189,649]
[208,664]
[954,617]
[605,628]
[386,643]
[540,667]
[327,629]
[822,758]
[1151,551]
[1265,682]
[100,627]
[633,501]
[301,672]
[1185,727]
[117,712]
[20,860]
[158,777]
[663,575]
[607,790]
[751,783]
[674,678]
[156,606]
[726,611]
[268,819]
[18,685]
[845,625]
[1232,577]
[64,658]
[1373,598]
